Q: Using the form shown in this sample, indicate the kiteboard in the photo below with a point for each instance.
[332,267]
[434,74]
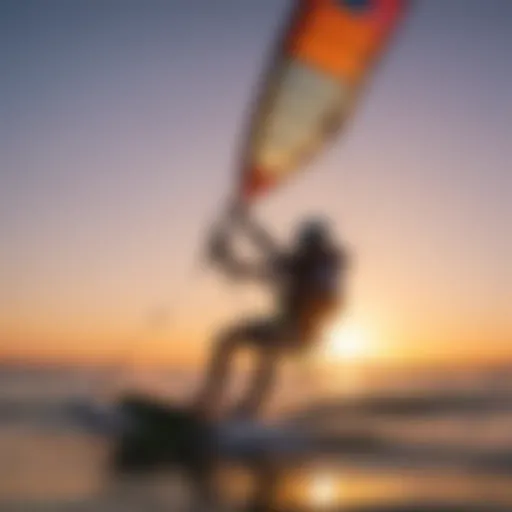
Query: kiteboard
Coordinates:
[148,434]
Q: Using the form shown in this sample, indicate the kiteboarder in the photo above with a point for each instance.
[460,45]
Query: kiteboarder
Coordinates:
[306,280]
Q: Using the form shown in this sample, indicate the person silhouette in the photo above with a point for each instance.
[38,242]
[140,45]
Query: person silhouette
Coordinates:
[307,280]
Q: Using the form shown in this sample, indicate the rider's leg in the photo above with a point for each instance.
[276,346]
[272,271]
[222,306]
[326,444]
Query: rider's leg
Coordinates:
[217,374]
[262,383]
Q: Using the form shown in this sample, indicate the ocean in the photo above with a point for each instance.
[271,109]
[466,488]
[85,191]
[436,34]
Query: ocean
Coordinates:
[419,439]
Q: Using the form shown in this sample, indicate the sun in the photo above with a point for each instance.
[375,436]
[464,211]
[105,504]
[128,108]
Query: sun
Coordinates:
[348,341]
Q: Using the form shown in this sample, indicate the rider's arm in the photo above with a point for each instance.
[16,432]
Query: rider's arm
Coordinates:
[223,255]
[260,236]
[239,269]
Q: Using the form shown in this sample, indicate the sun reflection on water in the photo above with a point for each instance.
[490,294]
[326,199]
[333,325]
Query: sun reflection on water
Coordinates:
[324,490]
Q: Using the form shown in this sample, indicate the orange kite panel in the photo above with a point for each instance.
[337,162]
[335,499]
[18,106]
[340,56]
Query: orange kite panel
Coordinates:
[334,40]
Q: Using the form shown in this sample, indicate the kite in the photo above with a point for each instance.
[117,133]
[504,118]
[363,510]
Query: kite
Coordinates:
[326,53]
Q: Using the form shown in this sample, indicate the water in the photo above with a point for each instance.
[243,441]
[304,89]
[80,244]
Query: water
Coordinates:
[439,439]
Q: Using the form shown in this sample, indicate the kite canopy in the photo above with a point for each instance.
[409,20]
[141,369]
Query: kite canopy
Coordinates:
[326,52]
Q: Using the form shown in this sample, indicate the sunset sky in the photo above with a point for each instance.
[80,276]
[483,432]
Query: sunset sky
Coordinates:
[119,136]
